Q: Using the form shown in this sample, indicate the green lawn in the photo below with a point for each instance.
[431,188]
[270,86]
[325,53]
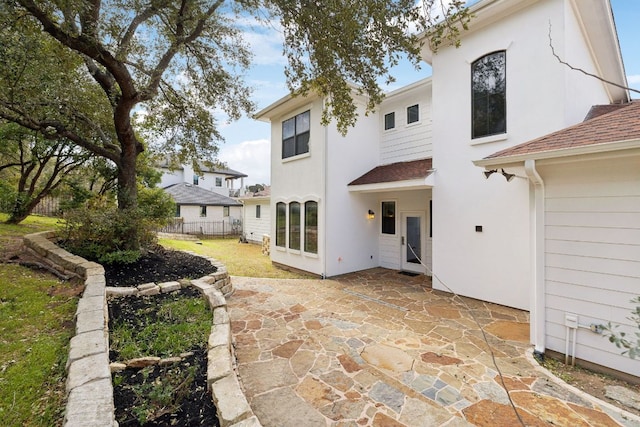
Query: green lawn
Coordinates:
[36,324]
[241,259]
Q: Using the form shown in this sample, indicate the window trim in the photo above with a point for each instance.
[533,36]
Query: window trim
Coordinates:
[216,182]
[478,139]
[226,211]
[281,245]
[203,211]
[395,217]
[295,136]
[304,234]
[196,179]
[291,232]
[258,213]
[418,121]
[384,121]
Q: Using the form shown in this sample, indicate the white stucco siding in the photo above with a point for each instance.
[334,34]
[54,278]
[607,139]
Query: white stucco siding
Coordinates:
[254,228]
[592,252]
[407,141]
[494,265]
[351,238]
[299,179]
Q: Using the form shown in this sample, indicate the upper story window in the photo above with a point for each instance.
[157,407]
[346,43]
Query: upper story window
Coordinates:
[413,114]
[389,121]
[489,95]
[218,181]
[196,179]
[295,135]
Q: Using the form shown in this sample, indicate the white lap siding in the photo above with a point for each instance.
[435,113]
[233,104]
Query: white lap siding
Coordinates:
[592,253]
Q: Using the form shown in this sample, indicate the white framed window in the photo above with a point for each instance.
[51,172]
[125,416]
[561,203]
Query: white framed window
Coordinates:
[281,224]
[295,135]
[388,223]
[218,181]
[203,211]
[413,114]
[225,211]
[196,179]
[489,95]
[389,121]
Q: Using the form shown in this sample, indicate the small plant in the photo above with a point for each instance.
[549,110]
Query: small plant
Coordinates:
[631,346]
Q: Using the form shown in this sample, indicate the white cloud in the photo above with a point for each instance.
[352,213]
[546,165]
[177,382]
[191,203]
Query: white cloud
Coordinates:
[252,158]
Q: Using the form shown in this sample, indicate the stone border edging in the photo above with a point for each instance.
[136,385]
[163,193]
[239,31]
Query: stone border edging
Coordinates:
[89,387]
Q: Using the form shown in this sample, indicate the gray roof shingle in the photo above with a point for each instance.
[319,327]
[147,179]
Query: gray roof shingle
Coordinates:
[187,194]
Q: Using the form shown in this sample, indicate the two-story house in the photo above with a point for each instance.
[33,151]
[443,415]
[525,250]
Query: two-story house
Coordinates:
[401,190]
[219,180]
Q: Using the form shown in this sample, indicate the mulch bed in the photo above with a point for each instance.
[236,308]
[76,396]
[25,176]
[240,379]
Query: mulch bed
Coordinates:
[197,408]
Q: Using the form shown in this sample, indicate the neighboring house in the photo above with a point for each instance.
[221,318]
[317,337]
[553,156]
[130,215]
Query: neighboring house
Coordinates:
[256,215]
[202,211]
[218,180]
[401,186]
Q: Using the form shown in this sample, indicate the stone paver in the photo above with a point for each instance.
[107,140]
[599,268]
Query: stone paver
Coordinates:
[381,349]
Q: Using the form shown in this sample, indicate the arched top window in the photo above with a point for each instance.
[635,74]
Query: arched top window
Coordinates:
[489,95]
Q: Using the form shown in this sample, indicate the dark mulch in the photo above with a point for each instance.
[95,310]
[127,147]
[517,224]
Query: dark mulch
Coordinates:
[159,266]
[196,409]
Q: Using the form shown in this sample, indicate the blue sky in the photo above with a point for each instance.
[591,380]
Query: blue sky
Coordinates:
[247,147]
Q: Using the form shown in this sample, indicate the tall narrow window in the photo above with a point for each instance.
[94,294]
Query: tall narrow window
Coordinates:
[389,121]
[225,211]
[177,210]
[203,211]
[294,225]
[295,135]
[257,211]
[413,114]
[311,227]
[388,217]
[489,95]
[196,179]
[281,224]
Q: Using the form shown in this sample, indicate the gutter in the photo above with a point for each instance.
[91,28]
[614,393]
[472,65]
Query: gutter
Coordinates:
[537,225]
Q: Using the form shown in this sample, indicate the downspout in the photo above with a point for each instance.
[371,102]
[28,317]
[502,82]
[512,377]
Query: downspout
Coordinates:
[537,207]
[323,199]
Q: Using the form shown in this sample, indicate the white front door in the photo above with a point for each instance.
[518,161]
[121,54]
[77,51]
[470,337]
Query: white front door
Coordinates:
[412,242]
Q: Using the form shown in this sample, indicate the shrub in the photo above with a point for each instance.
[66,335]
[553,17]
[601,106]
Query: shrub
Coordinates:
[631,346]
[97,229]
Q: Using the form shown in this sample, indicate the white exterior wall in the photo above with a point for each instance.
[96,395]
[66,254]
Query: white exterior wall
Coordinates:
[252,227]
[592,252]
[406,141]
[191,213]
[494,265]
[300,179]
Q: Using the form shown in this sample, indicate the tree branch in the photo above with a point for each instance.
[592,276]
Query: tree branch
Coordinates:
[571,67]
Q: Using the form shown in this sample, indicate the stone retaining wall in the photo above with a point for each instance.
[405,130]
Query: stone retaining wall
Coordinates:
[89,387]
[266,245]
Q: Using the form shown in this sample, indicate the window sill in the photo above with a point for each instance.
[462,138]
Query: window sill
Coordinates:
[298,157]
[280,249]
[294,251]
[489,139]
[310,255]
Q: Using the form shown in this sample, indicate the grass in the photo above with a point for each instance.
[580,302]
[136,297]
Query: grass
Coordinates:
[241,259]
[35,329]
[36,313]
[164,329]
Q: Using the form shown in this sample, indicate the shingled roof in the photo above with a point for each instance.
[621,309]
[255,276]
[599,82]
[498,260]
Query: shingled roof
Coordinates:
[187,194]
[402,171]
[620,124]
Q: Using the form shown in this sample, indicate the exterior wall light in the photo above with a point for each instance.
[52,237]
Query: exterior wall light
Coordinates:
[371,214]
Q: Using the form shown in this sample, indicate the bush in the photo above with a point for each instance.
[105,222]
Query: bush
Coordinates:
[98,229]
[631,346]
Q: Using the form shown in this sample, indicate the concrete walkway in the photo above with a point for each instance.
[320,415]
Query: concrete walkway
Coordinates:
[378,348]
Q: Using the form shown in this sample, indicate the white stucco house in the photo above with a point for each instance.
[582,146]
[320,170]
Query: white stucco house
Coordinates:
[402,187]
[216,179]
